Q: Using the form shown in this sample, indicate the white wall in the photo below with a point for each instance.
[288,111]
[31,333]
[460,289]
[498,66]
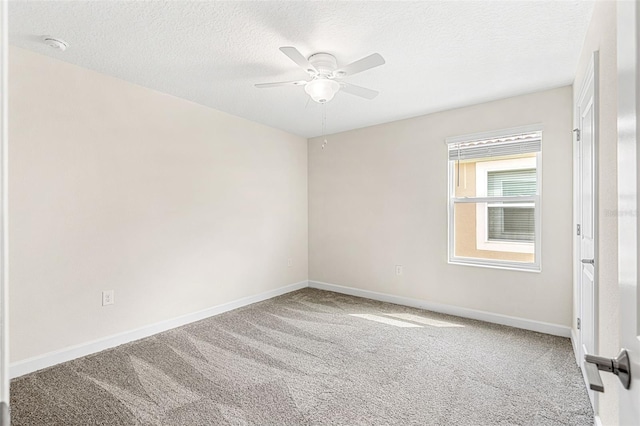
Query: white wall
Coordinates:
[378,197]
[175,206]
[601,36]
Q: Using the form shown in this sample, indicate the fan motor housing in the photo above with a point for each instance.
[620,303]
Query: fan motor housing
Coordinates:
[325,63]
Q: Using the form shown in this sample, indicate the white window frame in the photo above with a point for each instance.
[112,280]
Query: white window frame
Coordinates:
[482,224]
[536,266]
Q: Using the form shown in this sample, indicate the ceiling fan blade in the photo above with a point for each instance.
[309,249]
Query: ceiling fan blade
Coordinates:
[371,61]
[363,92]
[281,83]
[297,57]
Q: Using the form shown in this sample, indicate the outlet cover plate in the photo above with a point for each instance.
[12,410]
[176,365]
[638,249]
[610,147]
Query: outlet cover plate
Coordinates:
[107,298]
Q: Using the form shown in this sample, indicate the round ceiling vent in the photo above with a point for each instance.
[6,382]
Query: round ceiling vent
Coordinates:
[56,43]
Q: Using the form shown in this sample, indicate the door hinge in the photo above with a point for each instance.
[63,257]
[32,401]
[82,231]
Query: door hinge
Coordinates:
[577,134]
[578,229]
[578,323]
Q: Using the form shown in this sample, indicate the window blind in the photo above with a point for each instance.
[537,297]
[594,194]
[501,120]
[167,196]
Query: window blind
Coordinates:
[496,147]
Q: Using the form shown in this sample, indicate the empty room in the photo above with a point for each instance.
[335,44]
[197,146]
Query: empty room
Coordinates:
[319,212]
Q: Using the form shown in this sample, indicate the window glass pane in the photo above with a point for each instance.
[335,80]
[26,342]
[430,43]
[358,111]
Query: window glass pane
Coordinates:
[494,231]
[511,222]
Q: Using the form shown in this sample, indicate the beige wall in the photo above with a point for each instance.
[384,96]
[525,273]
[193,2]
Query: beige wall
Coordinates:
[175,206]
[601,36]
[378,197]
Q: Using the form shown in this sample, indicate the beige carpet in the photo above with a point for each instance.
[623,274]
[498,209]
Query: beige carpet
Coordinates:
[315,358]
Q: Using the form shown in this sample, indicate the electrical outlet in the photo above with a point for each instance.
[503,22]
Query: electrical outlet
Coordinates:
[398,269]
[107,298]
[289,262]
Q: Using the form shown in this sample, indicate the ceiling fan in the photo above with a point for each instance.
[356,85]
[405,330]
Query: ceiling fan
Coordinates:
[326,76]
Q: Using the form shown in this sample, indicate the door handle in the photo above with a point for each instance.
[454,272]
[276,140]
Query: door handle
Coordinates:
[589,261]
[619,366]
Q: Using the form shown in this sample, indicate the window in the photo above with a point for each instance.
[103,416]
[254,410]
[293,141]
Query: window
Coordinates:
[494,199]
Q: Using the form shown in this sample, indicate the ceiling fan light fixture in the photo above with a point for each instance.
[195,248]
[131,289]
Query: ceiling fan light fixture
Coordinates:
[322,90]
[323,69]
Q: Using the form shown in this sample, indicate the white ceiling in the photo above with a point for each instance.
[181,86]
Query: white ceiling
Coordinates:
[439,54]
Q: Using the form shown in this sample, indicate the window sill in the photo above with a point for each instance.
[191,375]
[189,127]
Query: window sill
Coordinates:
[529,267]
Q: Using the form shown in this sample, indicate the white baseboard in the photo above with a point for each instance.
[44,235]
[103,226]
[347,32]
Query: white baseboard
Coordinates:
[539,326]
[67,354]
[597,421]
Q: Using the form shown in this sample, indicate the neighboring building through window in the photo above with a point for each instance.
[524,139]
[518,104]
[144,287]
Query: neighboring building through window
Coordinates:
[494,199]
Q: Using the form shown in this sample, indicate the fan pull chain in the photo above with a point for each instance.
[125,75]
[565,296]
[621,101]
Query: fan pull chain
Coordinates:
[324,125]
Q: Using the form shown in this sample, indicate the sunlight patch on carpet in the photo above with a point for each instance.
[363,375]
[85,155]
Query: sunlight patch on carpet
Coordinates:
[386,320]
[426,321]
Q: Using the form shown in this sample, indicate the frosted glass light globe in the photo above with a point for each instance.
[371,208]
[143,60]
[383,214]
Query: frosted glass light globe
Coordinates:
[322,90]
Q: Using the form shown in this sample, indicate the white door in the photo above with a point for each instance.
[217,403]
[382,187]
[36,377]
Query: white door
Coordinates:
[586,133]
[628,225]
[4,330]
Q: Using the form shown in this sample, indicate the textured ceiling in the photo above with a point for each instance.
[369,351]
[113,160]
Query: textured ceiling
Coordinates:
[439,54]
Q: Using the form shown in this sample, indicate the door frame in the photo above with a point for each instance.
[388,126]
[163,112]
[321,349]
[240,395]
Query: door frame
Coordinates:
[628,78]
[591,75]
[4,273]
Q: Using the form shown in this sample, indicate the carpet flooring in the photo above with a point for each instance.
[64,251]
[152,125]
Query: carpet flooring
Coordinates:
[316,358]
